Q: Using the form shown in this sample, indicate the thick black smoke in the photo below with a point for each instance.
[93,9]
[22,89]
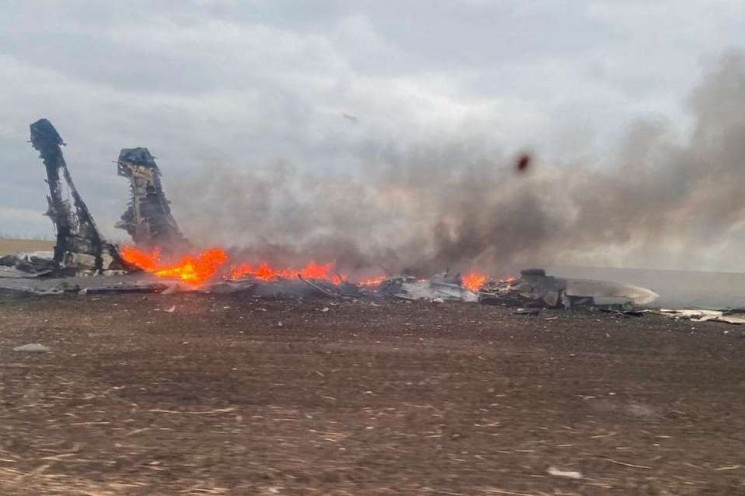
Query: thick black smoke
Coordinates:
[661,202]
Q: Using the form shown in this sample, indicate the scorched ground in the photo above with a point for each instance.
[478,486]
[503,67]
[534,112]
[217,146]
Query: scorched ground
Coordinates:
[228,395]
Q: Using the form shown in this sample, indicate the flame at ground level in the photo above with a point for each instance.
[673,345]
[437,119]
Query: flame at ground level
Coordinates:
[266,272]
[373,281]
[199,268]
[196,269]
[192,269]
[474,281]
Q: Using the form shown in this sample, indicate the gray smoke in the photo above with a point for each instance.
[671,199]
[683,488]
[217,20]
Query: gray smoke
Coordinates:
[661,202]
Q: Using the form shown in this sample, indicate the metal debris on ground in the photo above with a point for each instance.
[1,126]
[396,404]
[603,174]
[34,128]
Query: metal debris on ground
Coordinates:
[624,312]
[703,316]
[32,348]
[536,289]
[36,264]
[284,288]
[569,474]
[439,287]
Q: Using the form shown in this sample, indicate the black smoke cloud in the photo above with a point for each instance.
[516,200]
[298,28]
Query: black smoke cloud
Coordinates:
[661,202]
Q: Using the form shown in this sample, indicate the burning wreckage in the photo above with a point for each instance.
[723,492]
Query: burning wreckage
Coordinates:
[148,218]
[83,261]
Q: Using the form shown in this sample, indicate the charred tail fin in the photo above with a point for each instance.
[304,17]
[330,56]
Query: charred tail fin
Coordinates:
[79,245]
[148,218]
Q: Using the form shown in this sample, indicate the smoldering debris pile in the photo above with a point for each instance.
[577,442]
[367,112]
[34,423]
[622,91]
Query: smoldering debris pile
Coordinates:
[36,264]
[535,289]
[82,252]
[441,287]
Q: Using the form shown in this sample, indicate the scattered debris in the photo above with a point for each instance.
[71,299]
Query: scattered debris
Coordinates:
[532,291]
[327,291]
[171,309]
[437,288]
[523,163]
[187,412]
[36,264]
[32,348]
[703,316]
[117,283]
[283,288]
[536,289]
[729,319]
[569,474]
[623,311]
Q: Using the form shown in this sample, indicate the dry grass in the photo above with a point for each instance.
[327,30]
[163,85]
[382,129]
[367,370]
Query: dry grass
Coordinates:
[8,246]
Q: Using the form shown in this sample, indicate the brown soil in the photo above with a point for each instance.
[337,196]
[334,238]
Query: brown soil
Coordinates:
[391,398]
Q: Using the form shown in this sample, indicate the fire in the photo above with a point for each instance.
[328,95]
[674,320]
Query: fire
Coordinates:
[199,268]
[373,281]
[509,280]
[196,269]
[266,272]
[192,269]
[474,280]
[146,261]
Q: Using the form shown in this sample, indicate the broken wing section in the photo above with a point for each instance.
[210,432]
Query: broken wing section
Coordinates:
[148,218]
[607,289]
[535,288]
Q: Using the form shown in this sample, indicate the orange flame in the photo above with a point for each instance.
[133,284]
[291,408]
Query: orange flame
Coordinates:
[474,280]
[146,261]
[199,268]
[373,281]
[192,269]
[266,272]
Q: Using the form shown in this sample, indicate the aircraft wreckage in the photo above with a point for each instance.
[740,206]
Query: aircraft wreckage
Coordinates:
[148,218]
[79,245]
[84,262]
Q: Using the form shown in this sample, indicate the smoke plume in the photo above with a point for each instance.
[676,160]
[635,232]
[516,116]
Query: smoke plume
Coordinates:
[660,202]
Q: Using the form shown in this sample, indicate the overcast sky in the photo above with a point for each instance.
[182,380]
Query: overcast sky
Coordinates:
[322,84]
